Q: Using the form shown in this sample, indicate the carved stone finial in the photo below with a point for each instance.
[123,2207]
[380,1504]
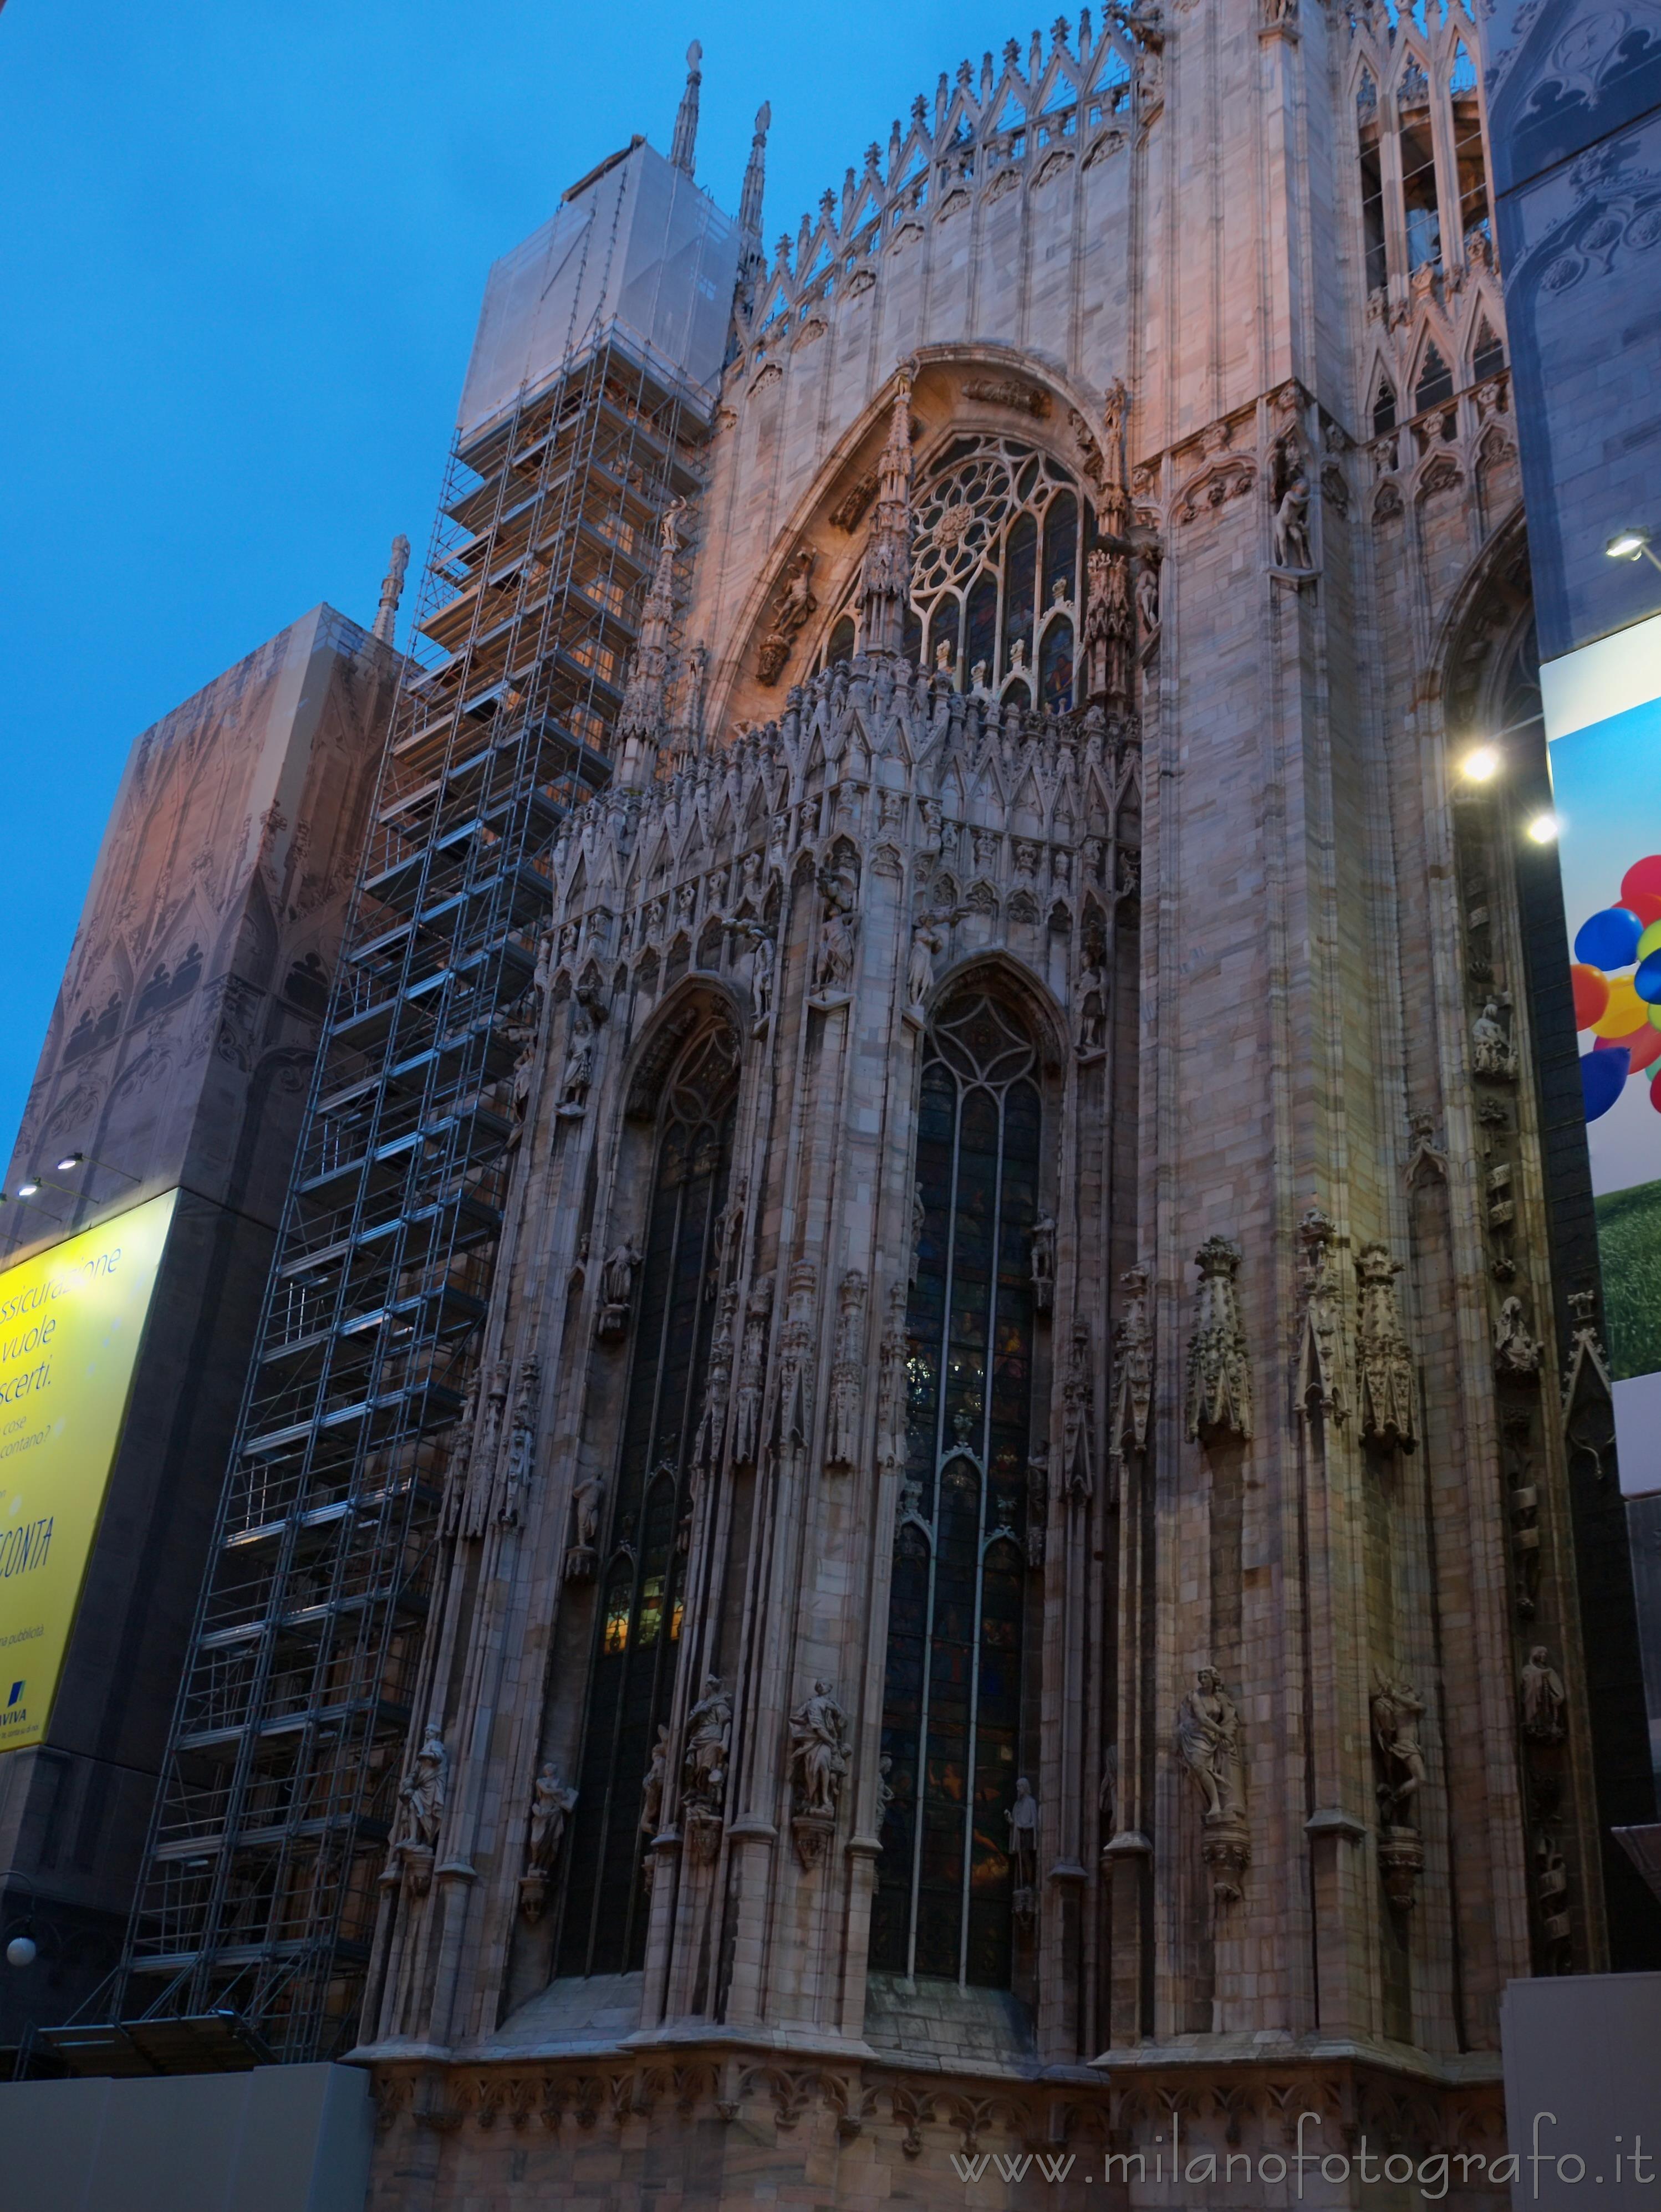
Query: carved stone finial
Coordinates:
[885,572]
[392,589]
[1384,1355]
[683,148]
[1219,1394]
[1318,1381]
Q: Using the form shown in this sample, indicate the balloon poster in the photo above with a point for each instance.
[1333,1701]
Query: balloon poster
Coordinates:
[1606,789]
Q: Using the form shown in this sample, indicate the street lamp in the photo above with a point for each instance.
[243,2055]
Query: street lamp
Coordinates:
[1480,764]
[1543,828]
[1629,544]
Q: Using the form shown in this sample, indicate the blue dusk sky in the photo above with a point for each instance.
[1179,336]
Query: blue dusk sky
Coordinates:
[240,259]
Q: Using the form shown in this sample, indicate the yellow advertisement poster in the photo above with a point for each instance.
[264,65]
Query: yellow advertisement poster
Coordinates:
[71,1322]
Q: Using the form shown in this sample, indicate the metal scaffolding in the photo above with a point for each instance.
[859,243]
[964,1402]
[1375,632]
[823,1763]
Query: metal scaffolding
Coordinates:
[279,1792]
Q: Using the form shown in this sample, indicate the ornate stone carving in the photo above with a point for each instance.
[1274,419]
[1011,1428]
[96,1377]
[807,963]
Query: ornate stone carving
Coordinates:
[712,1420]
[886,572]
[927,939]
[521,1440]
[1427,1159]
[1038,1504]
[1001,392]
[1079,1416]
[709,1739]
[818,1761]
[1093,1004]
[1382,1356]
[588,1012]
[842,1447]
[617,1288]
[793,602]
[1318,1381]
[1109,634]
[1493,1054]
[752,1373]
[849,509]
[1289,492]
[1219,1393]
[1398,1710]
[1147,595]
[1208,1739]
[1133,1376]
[796,1356]
[654,1782]
[1541,1697]
[551,1803]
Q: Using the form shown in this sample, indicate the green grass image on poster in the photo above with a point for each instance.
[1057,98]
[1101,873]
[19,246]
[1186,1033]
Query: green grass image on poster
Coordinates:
[1629,1247]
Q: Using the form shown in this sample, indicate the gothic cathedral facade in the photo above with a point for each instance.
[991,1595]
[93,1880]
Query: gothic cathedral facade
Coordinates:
[1012,1589]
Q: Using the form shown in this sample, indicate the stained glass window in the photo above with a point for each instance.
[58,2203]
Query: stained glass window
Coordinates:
[985,609]
[637,1633]
[952,1707]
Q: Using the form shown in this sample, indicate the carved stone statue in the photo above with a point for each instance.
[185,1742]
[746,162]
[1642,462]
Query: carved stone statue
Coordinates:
[833,968]
[764,959]
[582,1554]
[1292,548]
[1093,1002]
[885,1790]
[617,1283]
[1079,1415]
[842,1447]
[587,1013]
[1148,597]
[753,1369]
[927,940]
[654,1785]
[818,1751]
[708,1734]
[1398,1710]
[1492,1052]
[551,1803]
[421,1793]
[1540,1693]
[1023,1818]
[1319,1385]
[1042,1263]
[793,602]
[1209,1737]
[1384,1357]
[1515,1351]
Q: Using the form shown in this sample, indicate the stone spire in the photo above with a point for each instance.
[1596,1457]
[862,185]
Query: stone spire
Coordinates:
[640,724]
[885,577]
[392,589]
[755,180]
[686,122]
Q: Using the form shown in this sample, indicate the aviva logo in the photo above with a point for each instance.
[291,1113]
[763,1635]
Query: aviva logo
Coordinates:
[16,1693]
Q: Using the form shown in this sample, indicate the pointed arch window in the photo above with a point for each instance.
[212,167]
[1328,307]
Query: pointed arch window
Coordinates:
[1384,408]
[952,1716]
[637,1629]
[1489,357]
[1435,383]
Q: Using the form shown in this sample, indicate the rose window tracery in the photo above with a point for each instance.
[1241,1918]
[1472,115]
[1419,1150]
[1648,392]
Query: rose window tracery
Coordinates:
[999,542]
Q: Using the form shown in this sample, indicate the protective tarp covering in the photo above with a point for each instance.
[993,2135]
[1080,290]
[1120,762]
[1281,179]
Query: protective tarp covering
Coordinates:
[641,248]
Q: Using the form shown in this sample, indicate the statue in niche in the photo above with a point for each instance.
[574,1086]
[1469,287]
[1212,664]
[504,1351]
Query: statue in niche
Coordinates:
[885,1790]
[1515,1351]
[421,1794]
[1093,1000]
[762,961]
[1023,1818]
[1398,1710]
[1540,1691]
[552,1801]
[1147,596]
[1209,1738]
[586,1014]
[708,1733]
[654,1783]
[818,1751]
[1042,1263]
[833,968]
[1492,1052]
[582,1554]
[617,1287]
[927,940]
[753,1366]
[1292,548]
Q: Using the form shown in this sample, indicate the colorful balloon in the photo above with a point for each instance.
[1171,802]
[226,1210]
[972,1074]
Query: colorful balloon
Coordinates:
[1640,888]
[1625,1011]
[1651,940]
[1591,993]
[1610,939]
[1602,1077]
[1647,980]
[1644,1044]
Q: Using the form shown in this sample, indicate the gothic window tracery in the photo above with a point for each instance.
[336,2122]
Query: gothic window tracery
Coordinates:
[637,1632]
[952,1719]
[999,549]
[1438,212]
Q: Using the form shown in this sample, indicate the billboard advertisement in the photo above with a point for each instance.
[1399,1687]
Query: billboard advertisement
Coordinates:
[1603,712]
[71,1322]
